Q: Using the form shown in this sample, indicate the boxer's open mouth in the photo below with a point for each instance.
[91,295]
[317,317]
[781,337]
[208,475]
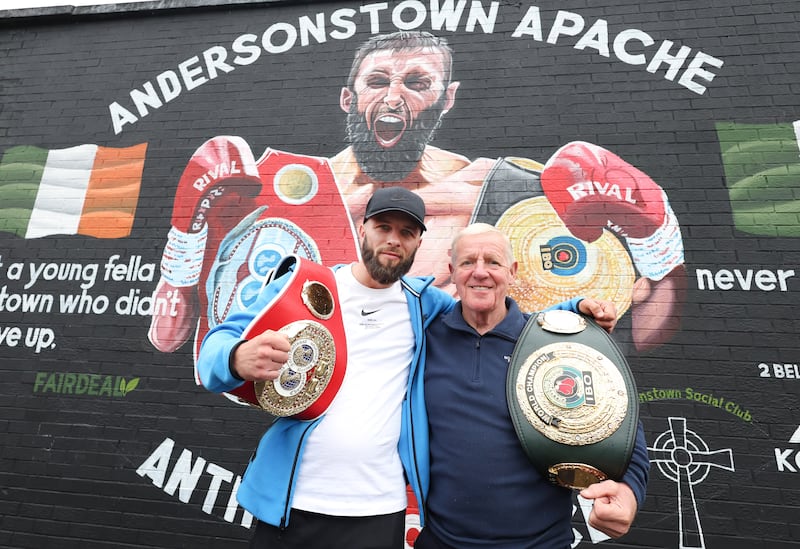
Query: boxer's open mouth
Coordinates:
[388,129]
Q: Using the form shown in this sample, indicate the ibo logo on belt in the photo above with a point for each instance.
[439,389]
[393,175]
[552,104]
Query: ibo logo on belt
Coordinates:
[563,255]
[569,387]
[571,393]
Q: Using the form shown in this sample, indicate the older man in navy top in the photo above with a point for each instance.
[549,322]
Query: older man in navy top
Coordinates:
[484,492]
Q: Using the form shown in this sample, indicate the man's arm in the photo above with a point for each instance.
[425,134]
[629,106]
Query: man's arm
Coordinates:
[614,507]
[594,190]
[603,312]
[260,358]
[234,170]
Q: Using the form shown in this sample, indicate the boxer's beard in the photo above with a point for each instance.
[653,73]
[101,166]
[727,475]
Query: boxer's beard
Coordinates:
[381,273]
[397,162]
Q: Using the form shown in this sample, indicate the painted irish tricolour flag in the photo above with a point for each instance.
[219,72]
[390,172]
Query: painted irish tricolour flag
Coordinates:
[88,190]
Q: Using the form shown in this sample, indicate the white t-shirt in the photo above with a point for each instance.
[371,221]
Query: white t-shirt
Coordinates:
[350,465]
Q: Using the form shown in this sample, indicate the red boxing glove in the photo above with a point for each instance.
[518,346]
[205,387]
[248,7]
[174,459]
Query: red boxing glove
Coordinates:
[592,189]
[589,186]
[220,166]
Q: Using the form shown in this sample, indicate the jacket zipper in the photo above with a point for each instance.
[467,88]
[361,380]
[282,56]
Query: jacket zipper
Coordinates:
[476,360]
[285,517]
[418,488]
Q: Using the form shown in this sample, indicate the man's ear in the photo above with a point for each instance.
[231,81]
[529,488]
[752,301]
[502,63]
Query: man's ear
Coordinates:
[346,99]
[450,96]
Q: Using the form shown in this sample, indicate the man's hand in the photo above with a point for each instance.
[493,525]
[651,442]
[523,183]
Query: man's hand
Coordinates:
[614,507]
[262,357]
[603,311]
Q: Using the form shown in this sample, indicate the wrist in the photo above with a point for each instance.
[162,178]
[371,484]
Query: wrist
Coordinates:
[658,254]
[231,360]
[182,260]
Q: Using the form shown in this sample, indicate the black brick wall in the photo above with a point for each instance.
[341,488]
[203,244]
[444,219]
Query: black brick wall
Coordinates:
[69,461]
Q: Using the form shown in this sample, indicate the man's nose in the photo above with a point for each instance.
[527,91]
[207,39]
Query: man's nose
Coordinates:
[393,238]
[395,94]
[480,269]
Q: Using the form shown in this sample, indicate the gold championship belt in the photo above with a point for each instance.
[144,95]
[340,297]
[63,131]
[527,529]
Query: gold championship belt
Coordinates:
[572,399]
[555,266]
[306,310]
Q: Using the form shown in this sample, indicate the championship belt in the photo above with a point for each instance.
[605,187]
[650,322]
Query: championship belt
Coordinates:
[572,399]
[554,265]
[306,310]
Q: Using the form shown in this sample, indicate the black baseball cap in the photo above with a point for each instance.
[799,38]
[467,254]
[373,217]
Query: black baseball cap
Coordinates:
[397,199]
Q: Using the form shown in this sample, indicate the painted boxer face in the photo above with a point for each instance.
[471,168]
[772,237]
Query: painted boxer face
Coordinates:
[397,102]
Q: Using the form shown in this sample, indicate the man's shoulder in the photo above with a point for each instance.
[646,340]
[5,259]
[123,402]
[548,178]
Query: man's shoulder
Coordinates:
[423,285]
[435,153]
[433,299]
[418,284]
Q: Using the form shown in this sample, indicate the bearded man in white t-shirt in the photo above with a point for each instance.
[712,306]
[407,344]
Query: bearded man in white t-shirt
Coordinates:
[341,478]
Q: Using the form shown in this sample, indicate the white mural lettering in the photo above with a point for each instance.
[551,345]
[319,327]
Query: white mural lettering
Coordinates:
[744,279]
[189,476]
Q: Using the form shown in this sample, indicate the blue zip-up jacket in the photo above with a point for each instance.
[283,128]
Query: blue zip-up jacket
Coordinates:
[269,481]
[506,502]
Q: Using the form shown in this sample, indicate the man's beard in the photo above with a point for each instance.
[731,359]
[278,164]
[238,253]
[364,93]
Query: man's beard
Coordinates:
[381,273]
[395,163]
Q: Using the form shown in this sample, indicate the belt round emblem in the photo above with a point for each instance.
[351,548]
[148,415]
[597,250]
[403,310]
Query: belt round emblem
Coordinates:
[571,393]
[305,375]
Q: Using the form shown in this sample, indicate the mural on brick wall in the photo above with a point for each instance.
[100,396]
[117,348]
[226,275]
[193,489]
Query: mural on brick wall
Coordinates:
[623,159]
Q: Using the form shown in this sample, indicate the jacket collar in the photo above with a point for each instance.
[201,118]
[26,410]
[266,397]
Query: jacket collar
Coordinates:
[509,328]
[416,284]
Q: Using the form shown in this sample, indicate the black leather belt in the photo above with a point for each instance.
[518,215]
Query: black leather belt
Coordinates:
[572,399]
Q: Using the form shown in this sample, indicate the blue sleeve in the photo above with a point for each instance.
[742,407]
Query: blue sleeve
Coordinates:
[639,469]
[214,358]
[569,305]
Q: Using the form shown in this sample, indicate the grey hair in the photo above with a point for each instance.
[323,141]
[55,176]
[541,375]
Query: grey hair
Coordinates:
[482,228]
